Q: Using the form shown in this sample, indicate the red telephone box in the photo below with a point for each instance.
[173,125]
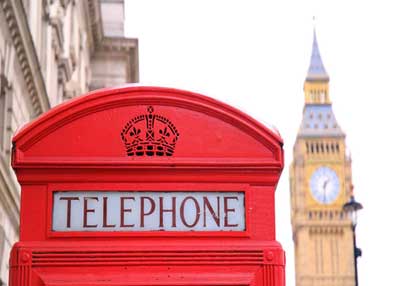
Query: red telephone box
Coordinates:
[147,186]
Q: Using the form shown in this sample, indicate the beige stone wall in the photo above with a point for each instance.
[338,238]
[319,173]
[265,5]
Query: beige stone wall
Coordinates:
[322,233]
[324,255]
[51,51]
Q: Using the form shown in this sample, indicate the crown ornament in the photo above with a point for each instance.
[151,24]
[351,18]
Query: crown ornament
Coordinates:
[149,135]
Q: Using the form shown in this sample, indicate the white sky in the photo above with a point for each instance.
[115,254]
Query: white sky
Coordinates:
[254,56]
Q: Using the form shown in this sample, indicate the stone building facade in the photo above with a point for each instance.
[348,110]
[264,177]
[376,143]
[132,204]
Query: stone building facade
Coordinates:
[320,184]
[52,51]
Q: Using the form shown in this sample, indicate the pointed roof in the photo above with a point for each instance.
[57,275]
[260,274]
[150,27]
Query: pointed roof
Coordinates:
[316,71]
[319,121]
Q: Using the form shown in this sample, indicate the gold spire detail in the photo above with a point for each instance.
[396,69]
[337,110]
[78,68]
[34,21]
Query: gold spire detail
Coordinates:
[316,85]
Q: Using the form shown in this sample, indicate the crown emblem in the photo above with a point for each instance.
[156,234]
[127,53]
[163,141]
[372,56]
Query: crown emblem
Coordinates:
[149,135]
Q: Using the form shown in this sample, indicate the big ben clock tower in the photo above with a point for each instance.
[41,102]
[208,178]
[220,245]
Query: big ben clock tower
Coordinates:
[320,183]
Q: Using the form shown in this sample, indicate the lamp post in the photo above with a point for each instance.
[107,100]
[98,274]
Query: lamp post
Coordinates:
[351,208]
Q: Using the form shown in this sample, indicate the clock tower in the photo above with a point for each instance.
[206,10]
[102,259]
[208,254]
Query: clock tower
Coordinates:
[320,183]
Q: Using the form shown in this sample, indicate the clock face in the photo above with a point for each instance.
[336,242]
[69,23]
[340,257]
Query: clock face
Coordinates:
[324,184]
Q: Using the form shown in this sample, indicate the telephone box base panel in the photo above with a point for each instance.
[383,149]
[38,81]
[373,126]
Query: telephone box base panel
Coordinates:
[53,265]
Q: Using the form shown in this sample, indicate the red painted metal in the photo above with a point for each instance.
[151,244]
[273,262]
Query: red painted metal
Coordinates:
[80,145]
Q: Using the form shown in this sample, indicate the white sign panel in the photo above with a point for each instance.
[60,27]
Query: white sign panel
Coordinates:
[148,211]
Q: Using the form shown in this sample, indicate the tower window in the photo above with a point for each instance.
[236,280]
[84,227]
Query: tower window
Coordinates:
[317,148]
[312,148]
[337,147]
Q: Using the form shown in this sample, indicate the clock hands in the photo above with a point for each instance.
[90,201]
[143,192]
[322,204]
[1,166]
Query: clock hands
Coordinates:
[324,187]
[324,184]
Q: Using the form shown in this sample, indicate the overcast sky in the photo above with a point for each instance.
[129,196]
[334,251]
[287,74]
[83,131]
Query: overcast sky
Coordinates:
[254,55]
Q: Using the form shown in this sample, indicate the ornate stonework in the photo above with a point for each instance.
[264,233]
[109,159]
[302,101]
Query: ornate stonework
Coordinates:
[20,36]
[320,183]
[51,51]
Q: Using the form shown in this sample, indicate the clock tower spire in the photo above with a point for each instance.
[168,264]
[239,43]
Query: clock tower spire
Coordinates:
[316,86]
[320,183]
